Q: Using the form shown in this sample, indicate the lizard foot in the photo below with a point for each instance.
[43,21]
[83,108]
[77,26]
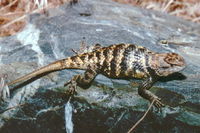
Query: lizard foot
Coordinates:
[72,86]
[157,102]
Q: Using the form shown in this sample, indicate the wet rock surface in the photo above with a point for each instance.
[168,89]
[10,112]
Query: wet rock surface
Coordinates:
[109,105]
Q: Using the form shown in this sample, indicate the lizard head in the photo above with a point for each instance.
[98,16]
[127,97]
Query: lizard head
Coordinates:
[167,63]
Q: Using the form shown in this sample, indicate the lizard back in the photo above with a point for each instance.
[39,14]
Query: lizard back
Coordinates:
[122,61]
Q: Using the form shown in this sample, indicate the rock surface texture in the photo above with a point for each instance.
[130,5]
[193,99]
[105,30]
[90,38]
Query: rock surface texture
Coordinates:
[108,105]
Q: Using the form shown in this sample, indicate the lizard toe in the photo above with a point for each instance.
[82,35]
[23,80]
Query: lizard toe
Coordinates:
[158,104]
[67,83]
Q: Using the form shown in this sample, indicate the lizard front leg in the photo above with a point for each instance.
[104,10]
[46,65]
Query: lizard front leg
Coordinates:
[143,91]
[83,81]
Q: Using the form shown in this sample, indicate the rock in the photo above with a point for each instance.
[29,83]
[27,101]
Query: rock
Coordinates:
[109,105]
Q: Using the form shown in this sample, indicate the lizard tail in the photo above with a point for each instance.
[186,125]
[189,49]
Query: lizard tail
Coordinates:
[55,66]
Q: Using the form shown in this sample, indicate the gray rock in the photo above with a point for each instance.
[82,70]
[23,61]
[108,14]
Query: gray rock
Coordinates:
[113,105]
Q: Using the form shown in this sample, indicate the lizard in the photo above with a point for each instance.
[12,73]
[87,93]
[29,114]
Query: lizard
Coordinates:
[116,61]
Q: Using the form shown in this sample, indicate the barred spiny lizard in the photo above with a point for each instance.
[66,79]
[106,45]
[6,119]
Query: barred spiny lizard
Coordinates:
[116,61]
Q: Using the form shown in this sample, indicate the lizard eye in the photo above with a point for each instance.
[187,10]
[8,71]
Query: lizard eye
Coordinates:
[165,67]
[172,65]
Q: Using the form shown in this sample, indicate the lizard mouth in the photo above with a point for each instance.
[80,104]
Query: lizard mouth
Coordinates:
[168,71]
[179,68]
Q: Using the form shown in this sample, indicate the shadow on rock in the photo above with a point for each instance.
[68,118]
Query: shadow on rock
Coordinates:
[174,76]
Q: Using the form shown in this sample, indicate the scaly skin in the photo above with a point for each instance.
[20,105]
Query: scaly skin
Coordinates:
[116,61]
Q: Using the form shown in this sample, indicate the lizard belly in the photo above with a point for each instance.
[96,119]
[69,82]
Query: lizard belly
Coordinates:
[133,74]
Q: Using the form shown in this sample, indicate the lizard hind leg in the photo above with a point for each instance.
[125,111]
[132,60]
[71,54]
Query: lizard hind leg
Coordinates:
[83,81]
